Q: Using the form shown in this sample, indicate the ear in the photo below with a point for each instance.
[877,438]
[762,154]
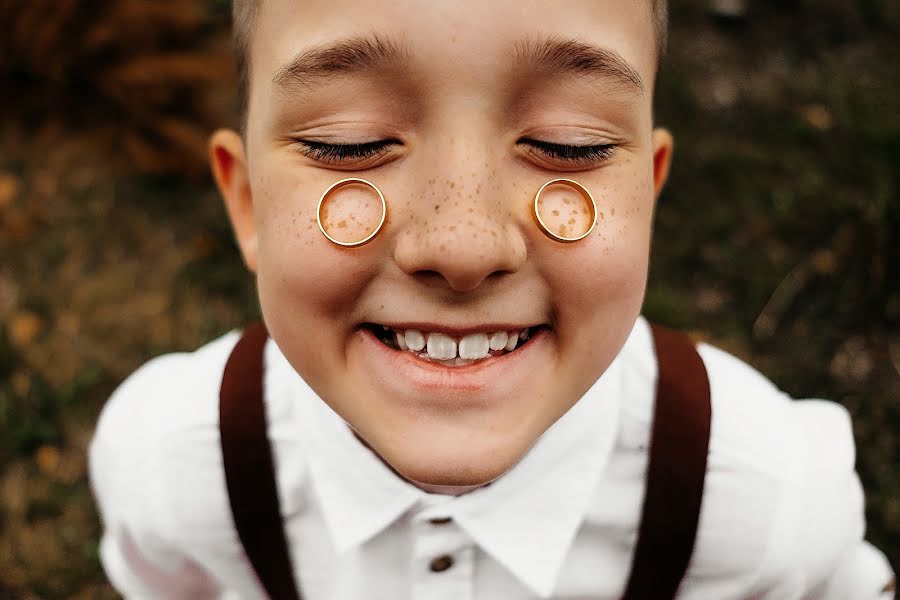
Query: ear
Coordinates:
[662,159]
[229,167]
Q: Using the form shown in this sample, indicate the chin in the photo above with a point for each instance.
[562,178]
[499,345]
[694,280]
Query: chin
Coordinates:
[445,463]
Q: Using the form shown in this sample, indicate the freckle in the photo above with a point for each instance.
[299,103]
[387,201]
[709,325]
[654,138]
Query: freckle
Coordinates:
[471,210]
[452,184]
[453,228]
[478,188]
[601,215]
[612,212]
[443,248]
[342,224]
[571,221]
[555,213]
[437,208]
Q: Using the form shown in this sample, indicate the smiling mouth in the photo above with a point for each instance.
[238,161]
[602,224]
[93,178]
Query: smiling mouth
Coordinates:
[450,350]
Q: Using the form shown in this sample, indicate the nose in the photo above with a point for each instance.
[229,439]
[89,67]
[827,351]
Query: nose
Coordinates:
[460,234]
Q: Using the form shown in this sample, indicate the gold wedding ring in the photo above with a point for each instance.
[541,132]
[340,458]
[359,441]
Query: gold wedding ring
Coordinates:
[565,210]
[351,212]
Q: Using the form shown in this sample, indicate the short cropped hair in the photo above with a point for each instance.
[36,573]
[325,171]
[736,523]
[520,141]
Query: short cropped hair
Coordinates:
[245,13]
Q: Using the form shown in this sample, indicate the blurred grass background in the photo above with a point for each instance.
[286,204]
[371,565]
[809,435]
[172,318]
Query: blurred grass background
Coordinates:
[776,238]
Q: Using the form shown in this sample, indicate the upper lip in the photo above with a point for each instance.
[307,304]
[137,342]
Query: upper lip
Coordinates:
[457,329]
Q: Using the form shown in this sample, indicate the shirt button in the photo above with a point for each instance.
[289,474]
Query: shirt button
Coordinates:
[441,563]
[440,520]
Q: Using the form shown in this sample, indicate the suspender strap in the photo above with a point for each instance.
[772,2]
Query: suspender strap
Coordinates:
[675,472]
[249,466]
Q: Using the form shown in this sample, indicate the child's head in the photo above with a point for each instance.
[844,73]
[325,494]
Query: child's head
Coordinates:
[458,113]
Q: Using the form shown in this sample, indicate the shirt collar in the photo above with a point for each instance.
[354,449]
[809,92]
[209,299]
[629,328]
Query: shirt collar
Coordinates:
[526,520]
[358,494]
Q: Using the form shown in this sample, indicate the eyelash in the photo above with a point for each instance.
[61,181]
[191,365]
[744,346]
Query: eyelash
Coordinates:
[574,154]
[337,153]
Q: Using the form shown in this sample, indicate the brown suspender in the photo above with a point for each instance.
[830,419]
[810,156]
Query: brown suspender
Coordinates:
[676,470]
[675,473]
[250,468]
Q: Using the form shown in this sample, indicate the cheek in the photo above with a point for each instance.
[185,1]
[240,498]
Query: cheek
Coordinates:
[301,274]
[602,279]
[608,271]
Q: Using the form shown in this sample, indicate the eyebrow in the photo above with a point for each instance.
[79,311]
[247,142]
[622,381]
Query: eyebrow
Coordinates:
[371,53]
[565,56]
[352,55]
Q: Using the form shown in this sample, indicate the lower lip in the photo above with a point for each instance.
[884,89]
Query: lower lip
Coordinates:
[423,375]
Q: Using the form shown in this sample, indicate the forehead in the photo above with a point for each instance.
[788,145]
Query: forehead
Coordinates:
[452,36]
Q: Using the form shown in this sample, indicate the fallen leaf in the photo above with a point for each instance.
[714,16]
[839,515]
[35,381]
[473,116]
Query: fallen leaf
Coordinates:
[818,116]
[9,189]
[711,300]
[853,361]
[23,328]
[47,459]
[825,262]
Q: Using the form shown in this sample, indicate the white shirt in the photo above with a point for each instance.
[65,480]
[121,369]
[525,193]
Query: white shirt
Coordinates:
[782,514]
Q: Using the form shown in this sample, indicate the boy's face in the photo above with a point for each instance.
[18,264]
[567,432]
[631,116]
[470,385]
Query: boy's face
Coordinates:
[475,98]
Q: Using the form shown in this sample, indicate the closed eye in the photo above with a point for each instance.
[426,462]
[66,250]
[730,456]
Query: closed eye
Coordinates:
[343,153]
[576,155]
[337,154]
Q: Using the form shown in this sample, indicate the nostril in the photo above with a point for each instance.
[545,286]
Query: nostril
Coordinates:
[429,276]
[461,282]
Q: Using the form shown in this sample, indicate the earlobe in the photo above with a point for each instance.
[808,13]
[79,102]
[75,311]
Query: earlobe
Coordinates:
[662,159]
[229,166]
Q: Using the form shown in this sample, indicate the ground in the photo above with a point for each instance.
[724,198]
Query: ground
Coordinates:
[776,239]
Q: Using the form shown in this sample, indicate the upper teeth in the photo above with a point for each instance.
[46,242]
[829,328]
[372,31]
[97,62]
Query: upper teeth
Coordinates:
[475,346]
[415,340]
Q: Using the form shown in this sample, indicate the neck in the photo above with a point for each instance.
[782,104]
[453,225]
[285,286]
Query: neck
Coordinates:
[446,490]
[431,488]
